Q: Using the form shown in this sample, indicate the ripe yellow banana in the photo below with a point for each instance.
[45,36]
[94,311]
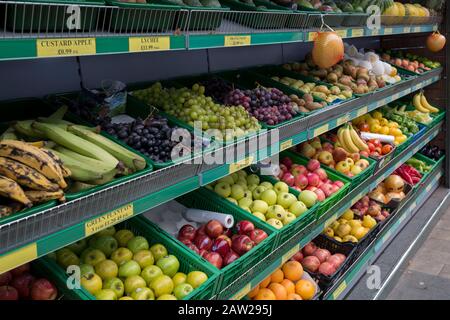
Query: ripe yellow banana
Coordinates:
[11,189]
[25,175]
[341,138]
[33,157]
[418,105]
[359,143]
[426,105]
[43,196]
[352,148]
[58,163]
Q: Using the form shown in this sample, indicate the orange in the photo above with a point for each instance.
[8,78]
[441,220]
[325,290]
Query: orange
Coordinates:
[254,292]
[265,282]
[305,289]
[277,276]
[279,291]
[288,285]
[265,294]
[294,296]
[293,270]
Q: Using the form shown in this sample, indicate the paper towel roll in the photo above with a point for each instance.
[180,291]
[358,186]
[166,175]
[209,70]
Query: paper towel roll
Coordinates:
[382,137]
[203,216]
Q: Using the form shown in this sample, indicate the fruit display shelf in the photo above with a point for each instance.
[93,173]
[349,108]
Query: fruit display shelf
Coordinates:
[28,238]
[238,290]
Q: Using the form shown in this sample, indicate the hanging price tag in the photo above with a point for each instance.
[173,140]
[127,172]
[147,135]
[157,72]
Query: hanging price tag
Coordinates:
[285,145]
[108,219]
[388,31]
[320,130]
[18,257]
[417,29]
[407,30]
[241,164]
[142,44]
[343,119]
[65,47]
[342,33]
[235,41]
[362,111]
[357,33]
[339,290]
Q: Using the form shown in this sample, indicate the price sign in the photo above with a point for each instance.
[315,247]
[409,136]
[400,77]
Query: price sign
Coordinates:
[236,41]
[362,111]
[407,30]
[343,119]
[417,29]
[65,47]
[388,31]
[18,257]
[241,164]
[342,33]
[143,44]
[339,290]
[108,219]
[290,253]
[285,145]
[320,130]
[357,33]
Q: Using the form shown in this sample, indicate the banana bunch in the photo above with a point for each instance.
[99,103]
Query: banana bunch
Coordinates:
[421,104]
[349,139]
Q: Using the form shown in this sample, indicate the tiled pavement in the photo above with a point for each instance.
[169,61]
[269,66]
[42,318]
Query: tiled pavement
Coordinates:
[427,276]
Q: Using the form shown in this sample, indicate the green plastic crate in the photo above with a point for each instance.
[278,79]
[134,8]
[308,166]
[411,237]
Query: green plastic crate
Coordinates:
[189,261]
[428,161]
[130,21]
[201,199]
[40,15]
[285,233]
[330,201]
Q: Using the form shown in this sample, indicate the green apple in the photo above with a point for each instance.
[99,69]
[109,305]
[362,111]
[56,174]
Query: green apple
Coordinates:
[158,251]
[179,278]
[123,236]
[144,258]
[85,253]
[266,184]
[162,285]
[121,255]
[269,196]
[137,244]
[169,265]
[167,297]
[253,179]
[196,278]
[129,268]
[276,212]
[281,186]
[277,224]
[259,215]
[86,269]
[78,247]
[248,194]
[106,269]
[259,206]
[298,208]
[246,209]
[242,183]
[93,257]
[143,294]
[150,273]
[227,180]
[106,294]
[66,257]
[134,282]
[258,192]
[106,244]
[252,187]
[126,298]
[182,290]
[235,177]
[91,282]
[289,218]
[245,202]
[286,199]
[116,285]
[223,189]
[237,192]
[234,201]
[242,174]
[110,231]
[309,198]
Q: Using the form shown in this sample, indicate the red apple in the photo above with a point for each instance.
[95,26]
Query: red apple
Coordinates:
[327,147]
[43,289]
[288,178]
[201,230]
[313,165]
[215,259]
[5,278]
[257,235]
[322,174]
[203,242]
[187,232]
[194,248]
[214,229]
[298,256]
[335,261]
[327,189]
[297,188]
[220,246]
[327,269]
[364,154]
[244,227]
[309,249]
[313,179]
[311,263]
[8,293]
[287,162]
[320,195]
[226,238]
[339,183]
[186,242]
[230,257]
[322,254]
[21,269]
[23,284]
[298,169]
[242,244]
[334,189]
[301,181]
[203,253]
[311,188]
[228,232]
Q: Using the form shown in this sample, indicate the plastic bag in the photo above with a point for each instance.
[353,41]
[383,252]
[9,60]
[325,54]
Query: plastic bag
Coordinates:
[110,101]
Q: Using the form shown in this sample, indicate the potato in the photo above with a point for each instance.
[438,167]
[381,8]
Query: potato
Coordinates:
[308,98]
[303,109]
[332,77]
[361,81]
[313,105]
[364,76]
[345,81]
